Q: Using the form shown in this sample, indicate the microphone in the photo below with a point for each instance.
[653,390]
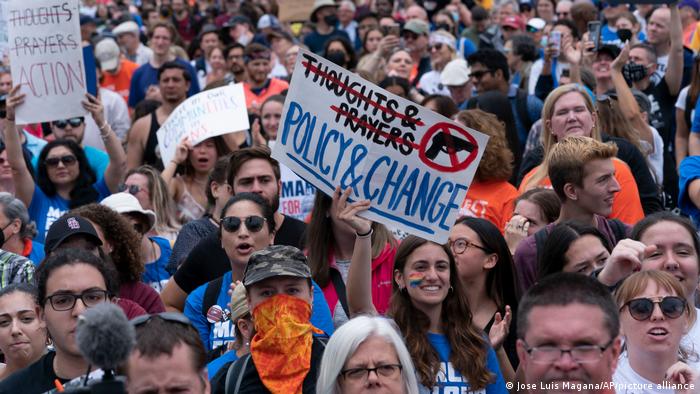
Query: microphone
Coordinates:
[105,338]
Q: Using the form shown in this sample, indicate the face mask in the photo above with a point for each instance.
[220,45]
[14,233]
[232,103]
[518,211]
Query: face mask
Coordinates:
[2,234]
[244,40]
[281,347]
[634,72]
[331,20]
[337,57]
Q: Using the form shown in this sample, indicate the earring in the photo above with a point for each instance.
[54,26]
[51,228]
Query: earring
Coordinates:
[452,289]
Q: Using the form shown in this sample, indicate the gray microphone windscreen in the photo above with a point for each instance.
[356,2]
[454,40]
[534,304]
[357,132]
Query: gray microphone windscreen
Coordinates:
[104,336]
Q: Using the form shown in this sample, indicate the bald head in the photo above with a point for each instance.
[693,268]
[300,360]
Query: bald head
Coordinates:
[416,12]
[659,27]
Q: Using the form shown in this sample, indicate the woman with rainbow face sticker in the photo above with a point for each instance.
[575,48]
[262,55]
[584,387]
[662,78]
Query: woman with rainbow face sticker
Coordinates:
[429,306]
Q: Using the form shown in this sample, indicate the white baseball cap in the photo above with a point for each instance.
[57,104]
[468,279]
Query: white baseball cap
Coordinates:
[107,52]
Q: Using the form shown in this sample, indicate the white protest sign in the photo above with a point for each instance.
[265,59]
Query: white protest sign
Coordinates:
[414,165]
[207,114]
[46,58]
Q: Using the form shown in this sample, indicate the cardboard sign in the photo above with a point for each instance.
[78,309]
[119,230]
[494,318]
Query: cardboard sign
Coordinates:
[295,10]
[414,165]
[207,114]
[46,58]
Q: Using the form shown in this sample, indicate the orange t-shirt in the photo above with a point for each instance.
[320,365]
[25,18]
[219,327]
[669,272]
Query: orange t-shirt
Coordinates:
[276,86]
[490,200]
[121,81]
[627,206]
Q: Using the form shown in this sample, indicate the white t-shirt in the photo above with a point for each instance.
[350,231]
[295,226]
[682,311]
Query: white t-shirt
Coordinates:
[431,84]
[691,342]
[627,381]
[536,71]
[661,64]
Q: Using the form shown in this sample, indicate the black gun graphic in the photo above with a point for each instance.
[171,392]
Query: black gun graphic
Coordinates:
[440,143]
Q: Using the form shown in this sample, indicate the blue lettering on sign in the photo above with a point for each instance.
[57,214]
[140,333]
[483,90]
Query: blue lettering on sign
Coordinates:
[414,192]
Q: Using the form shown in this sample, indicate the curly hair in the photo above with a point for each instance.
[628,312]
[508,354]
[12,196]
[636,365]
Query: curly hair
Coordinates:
[497,161]
[83,192]
[121,235]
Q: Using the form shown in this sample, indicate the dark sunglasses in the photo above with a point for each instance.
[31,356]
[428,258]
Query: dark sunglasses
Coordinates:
[131,189]
[479,74]
[167,316]
[252,223]
[73,122]
[531,29]
[642,308]
[66,160]
[437,46]
[409,35]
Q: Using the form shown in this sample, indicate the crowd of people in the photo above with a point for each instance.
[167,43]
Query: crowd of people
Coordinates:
[574,264]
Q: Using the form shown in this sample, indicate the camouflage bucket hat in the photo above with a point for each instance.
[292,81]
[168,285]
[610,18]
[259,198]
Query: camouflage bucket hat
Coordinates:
[276,260]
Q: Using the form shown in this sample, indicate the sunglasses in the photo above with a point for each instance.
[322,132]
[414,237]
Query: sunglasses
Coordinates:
[131,189]
[66,160]
[479,74]
[173,317]
[253,223]
[531,29]
[73,122]
[642,308]
[436,46]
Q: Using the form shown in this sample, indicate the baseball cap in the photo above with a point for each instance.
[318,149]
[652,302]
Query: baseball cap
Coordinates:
[612,50]
[276,260]
[512,21]
[208,28]
[126,27]
[694,4]
[68,226]
[266,21]
[455,73]
[536,24]
[642,100]
[237,20]
[107,52]
[127,203]
[87,19]
[417,26]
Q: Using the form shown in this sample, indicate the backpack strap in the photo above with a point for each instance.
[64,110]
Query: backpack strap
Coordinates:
[340,289]
[211,293]
[229,375]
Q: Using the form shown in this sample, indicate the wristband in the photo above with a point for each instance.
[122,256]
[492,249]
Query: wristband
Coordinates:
[103,126]
[367,234]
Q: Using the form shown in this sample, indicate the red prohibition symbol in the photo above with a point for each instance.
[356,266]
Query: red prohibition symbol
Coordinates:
[440,138]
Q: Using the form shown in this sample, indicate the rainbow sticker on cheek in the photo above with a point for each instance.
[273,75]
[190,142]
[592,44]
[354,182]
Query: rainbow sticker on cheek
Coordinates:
[415,278]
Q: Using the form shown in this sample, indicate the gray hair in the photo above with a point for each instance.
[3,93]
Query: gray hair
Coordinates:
[13,208]
[348,338]
[349,4]
[513,3]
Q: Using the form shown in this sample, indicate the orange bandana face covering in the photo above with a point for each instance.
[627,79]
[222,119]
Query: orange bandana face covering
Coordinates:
[281,347]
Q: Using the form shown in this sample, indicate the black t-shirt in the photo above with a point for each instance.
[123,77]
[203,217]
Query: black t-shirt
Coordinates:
[208,260]
[35,379]
[251,383]
[662,114]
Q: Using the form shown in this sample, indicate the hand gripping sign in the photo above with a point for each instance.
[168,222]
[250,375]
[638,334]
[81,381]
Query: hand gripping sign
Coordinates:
[414,165]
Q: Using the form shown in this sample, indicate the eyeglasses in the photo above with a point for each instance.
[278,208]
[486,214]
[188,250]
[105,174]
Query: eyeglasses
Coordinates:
[174,317]
[562,15]
[252,223]
[131,189]
[66,301]
[73,122]
[581,354]
[66,160]
[385,371]
[460,245]
[436,46]
[479,74]
[642,308]
[409,36]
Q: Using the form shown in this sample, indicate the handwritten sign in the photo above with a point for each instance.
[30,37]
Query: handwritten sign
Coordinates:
[295,10]
[413,165]
[207,114]
[46,58]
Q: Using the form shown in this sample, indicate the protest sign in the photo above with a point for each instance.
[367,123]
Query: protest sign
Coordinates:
[46,58]
[414,165]
[295,10]
[204,115]
[4,38]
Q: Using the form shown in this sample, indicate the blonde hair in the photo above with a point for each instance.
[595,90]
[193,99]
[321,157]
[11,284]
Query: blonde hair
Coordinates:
[566,161]
[497,161]
[162,203]
[548,139]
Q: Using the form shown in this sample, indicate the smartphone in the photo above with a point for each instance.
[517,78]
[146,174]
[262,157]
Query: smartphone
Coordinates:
[555,42]
[624,35]
[392,30]
[594,28]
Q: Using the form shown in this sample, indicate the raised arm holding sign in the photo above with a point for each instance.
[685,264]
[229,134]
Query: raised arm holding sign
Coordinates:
[47,59]
[412,164]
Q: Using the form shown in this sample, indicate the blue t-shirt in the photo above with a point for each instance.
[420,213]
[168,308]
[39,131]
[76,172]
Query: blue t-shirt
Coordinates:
[37,254]
[449,380]
[156,275]
[215,365]
[609,37]
[220,333]
[97,160]
[147,75]
[689,171]
[44,210]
